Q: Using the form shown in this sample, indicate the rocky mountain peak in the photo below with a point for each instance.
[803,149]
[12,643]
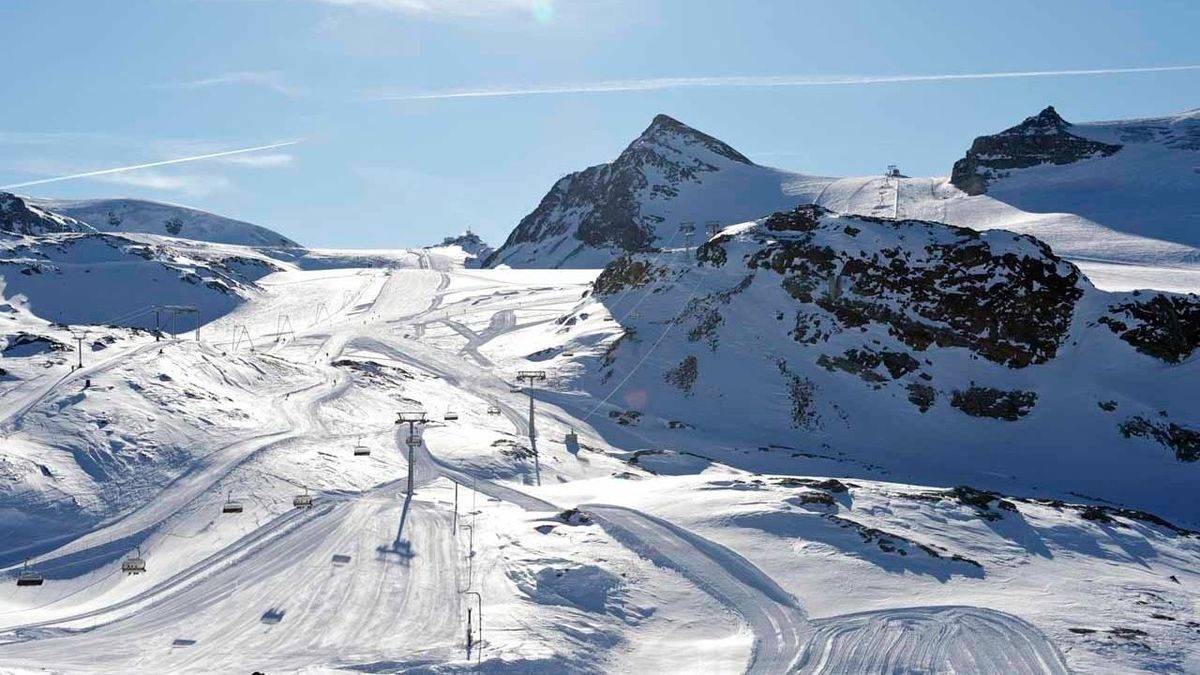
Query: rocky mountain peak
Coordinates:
[666,133]
[1041,139]
[669,175]
[1047,121]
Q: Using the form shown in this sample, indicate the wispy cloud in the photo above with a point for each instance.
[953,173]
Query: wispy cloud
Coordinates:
[772,81]
[186,184]
[462,8]
[269,79]
[149,165]
[261,161]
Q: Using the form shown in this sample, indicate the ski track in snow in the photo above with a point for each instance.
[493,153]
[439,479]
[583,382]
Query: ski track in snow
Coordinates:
[929,640]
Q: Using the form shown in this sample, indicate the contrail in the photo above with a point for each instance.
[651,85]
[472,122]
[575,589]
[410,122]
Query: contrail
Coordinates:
[122,169]
[656,84]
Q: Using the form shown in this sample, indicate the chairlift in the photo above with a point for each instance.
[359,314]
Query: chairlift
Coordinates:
[231,505]
[29,577]
[304,501]
[361,450]
[413,440]
[450,416]
[572,438]
[134,564]
[493,410]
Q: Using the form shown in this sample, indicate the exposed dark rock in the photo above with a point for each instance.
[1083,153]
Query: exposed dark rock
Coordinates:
[994,403]
[1185,442]
[625,273]
[921,395]
[1165,326]
[1042,139]
[955,291]
[683,376]
[865,363]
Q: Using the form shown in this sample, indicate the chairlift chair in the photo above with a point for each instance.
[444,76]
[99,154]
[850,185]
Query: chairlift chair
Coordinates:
[361,450]
[493,410]
[568,353]
[231,505]
[134,564]
[304,501]
[450,416]
[572,438]
[516,389]
[29,577]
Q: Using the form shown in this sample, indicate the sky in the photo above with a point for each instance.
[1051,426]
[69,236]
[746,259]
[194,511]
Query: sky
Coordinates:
[375,144]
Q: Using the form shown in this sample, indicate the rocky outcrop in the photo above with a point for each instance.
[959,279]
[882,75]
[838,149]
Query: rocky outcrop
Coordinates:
[1165,326]
[994,403]
[18,217]
[1044,138]
[1006,297]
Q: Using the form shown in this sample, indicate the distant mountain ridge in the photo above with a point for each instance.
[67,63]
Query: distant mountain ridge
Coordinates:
[171,220]
[669,175]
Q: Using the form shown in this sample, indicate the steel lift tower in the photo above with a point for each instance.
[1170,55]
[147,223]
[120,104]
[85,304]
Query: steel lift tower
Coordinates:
[412,418]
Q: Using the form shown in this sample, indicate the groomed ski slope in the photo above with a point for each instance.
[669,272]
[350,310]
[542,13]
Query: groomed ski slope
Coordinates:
[369,581]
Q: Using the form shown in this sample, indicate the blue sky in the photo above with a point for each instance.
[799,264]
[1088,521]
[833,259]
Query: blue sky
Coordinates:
[99,84]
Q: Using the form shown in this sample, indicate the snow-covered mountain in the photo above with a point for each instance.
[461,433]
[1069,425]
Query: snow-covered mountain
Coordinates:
[20,217]
[1138,177]
[138,215]
[100,278]
[933,353]
[670,175]
[467,249]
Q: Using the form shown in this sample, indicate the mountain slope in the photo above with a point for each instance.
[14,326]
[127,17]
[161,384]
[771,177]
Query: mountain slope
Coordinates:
[670,175]
[137,215]
[910,349]
[20,217]
[88,278]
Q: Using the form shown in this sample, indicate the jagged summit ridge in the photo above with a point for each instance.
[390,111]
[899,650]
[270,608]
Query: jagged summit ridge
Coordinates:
[670,174]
